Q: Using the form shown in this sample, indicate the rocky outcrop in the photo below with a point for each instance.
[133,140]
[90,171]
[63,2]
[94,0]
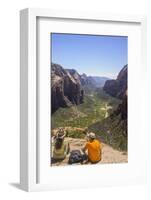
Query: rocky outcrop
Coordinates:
[75,75]
[109,155]
[122,108]
[121,114]
[118,87]
[65,88]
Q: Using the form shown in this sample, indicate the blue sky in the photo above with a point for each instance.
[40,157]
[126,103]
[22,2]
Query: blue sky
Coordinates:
[90,54]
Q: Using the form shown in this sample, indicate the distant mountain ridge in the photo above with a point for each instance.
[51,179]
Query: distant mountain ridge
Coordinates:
[98,81]
[95,81]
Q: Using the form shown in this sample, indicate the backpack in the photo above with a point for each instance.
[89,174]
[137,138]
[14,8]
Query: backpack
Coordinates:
[76,157]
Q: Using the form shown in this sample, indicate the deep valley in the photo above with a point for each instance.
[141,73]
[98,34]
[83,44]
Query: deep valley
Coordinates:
[80,105]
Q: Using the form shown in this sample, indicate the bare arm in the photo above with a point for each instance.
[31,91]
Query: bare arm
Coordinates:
[84,148]
[67,148]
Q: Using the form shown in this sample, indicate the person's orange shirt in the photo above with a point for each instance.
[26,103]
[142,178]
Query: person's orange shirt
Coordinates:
[94,150]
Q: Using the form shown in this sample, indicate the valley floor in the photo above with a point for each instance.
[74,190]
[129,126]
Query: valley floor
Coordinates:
[109,155]
[96,107]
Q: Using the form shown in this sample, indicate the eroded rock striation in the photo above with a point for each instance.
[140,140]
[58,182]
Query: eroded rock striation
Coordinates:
[65,88]
[118,87]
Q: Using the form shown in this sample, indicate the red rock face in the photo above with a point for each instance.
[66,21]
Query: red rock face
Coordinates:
[65,88]
[117,88]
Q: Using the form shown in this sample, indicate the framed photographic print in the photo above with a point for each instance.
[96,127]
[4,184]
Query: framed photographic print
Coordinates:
[82,78]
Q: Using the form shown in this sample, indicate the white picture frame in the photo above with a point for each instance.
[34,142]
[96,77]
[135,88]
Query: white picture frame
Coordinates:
[29,149]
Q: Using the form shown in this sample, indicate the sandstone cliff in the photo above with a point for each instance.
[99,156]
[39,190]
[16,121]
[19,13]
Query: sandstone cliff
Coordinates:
[65,88]
[117,88]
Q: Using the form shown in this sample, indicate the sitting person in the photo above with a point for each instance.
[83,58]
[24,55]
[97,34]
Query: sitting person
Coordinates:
[60,147]
[93,148]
